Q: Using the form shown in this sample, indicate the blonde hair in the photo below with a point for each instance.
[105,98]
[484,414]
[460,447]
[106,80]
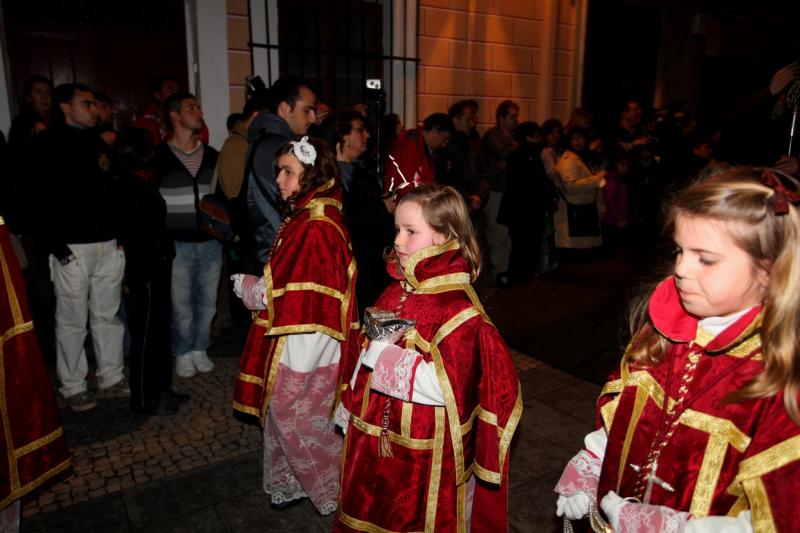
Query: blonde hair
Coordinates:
[747,206]
[445,212]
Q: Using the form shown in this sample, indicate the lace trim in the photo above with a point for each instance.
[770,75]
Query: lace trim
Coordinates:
[640,518]
[582,474]
[396,379]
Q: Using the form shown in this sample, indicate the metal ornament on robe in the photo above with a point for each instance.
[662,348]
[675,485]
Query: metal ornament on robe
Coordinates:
[381,325]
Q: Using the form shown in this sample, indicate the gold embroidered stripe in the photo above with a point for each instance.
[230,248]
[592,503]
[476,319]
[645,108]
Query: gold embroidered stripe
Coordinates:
[13,302]
[511,427]
[436,470]
[770,459]
[38,443]
[19,492]
[716,426]
[361,525]
[453,324]
[405,419]
[249,378]
[483,414]
[608,411]
[307,328]
[487,475]
[450,404]
[612,387]
[307,286]
[759,506]
[247,410]
[406,442]
[425,253]
[13,331]
[454,280]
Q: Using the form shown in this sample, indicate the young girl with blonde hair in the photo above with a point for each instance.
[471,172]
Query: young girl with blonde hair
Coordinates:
[700,429]
[437,409]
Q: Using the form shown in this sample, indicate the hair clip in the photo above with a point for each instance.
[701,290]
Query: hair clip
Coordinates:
[782,196]
[304,151]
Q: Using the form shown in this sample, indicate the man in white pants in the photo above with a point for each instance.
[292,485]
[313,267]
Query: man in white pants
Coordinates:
[74,217]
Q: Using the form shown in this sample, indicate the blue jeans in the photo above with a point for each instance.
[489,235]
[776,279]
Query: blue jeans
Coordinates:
[195,277]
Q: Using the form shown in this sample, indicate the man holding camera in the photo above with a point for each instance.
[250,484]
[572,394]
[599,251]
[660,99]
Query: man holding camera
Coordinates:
[287,112]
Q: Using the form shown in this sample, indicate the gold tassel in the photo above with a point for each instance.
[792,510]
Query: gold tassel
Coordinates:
[384,444]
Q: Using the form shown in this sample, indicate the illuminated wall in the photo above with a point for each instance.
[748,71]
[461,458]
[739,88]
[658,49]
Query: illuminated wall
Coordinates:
[529,51]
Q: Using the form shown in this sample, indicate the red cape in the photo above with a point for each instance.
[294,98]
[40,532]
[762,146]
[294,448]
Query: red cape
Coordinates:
[32,443]
[310,283]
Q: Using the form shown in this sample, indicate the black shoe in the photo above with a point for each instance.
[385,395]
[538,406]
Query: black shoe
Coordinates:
[165,407]
[178,397]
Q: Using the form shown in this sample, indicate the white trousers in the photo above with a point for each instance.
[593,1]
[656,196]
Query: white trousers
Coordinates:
[88,289]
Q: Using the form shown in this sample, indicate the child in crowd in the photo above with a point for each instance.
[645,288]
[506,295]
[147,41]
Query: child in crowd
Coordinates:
[290,367]
[700,431]
[429,415]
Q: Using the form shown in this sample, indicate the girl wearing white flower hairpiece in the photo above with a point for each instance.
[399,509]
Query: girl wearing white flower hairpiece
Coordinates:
[290,366]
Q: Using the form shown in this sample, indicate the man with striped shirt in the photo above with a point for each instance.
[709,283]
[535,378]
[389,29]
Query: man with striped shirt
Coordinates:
[185,168]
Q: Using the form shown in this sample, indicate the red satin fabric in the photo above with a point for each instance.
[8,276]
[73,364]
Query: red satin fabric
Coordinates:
[411,155]
[393,493]
[27,405]
[313,247]
[764,421]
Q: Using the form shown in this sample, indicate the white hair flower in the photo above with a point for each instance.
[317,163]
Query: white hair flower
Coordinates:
[304,151]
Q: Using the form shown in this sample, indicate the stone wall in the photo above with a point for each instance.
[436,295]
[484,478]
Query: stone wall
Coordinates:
[239,61]
[493,50]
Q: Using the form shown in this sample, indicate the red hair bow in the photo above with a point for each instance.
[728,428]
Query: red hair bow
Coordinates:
[782,196]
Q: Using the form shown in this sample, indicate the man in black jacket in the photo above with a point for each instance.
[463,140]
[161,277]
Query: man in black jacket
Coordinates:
[74,217]
[292,105]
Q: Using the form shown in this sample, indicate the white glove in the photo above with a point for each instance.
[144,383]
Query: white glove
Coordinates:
[573,507]
[373,352]
[251,289]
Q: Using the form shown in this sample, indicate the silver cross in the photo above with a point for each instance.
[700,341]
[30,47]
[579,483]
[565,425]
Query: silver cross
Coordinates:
[652,479]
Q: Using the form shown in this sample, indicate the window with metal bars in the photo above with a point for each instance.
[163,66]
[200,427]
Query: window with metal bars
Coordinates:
[338,45]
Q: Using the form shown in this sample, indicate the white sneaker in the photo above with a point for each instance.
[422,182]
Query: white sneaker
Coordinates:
[201,361]
[184,365]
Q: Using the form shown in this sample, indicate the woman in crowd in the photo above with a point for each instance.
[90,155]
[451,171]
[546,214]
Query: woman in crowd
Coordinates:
[365,212]
[578,217]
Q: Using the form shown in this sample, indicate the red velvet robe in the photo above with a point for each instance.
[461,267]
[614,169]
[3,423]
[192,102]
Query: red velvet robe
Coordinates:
[723,457]
[435,450]
[33,448]
[310,282]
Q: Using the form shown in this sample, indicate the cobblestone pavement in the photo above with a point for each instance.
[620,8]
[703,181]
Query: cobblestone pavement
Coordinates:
[113,449]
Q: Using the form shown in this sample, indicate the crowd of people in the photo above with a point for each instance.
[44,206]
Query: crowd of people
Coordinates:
[385,393]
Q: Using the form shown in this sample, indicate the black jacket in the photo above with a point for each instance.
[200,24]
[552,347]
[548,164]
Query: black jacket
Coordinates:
[70,189]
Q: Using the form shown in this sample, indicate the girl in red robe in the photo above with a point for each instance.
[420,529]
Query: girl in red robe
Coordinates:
[430,418]
[700,429]
[290,366]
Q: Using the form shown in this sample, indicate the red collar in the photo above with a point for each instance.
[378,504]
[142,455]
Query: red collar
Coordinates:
[673,321]
[429,266]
